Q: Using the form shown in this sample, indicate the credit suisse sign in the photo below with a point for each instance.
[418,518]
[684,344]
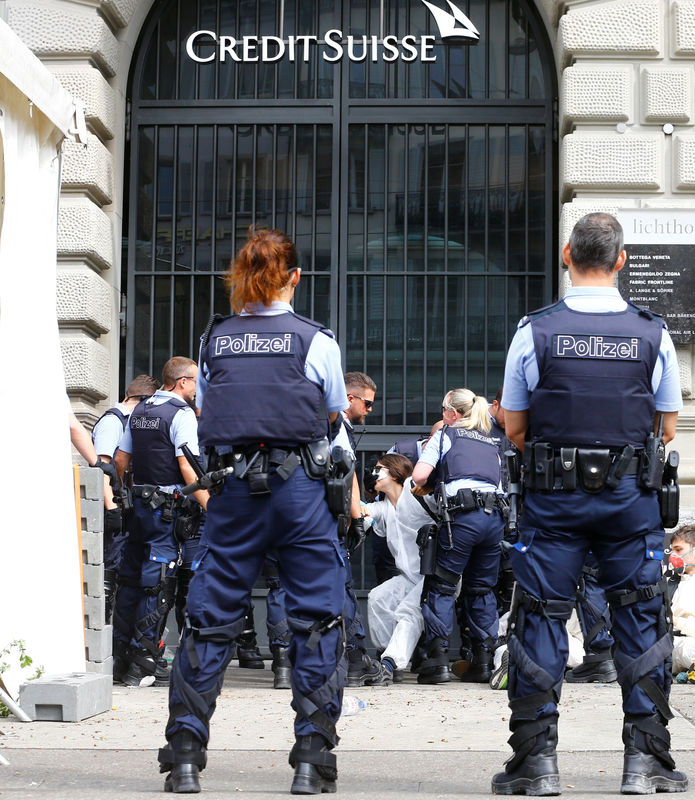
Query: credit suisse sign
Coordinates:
[454,26]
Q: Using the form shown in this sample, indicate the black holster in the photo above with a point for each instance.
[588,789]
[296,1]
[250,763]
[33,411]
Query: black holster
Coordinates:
[427,543]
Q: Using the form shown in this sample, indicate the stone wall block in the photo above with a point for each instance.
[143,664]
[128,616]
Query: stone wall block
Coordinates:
[630,27]
[118,12]
[683,15]
[88,168]
[667,94]
[597,93]
[684,161]
[85,298]
[88,85]
[685,370]
[87,366]
[69,32]
[612,161]
[84,232]
[571,213]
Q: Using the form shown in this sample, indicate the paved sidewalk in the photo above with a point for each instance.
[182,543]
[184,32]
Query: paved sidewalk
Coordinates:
[430,741]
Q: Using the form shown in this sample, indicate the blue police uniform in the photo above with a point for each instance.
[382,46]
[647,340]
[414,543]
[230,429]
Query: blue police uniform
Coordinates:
[468,464]
[591,370]
[267,381]
[106,434]
[156,430]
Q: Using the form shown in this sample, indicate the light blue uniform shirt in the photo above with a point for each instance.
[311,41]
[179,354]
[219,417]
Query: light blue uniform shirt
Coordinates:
[430,455]
[322,367]
[108,431]
[521,369]
[183,430]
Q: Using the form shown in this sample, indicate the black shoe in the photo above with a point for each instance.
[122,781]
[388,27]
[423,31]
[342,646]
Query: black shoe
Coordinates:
[532,770]
[480,668]
[281,667]
[315,768]
[141,670]
[365,672]
[248,653]
[434,675]
[184,757]
[590,671]
[644,772]
[162,673]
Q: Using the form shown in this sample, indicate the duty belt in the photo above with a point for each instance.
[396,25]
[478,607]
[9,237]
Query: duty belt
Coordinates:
[159,500]
[548,468]
[472,499]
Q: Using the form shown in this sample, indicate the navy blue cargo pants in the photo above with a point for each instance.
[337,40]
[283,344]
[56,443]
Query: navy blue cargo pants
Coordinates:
[294,523]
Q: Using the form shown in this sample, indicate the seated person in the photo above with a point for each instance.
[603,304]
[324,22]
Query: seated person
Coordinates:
[683,603]
[395,618]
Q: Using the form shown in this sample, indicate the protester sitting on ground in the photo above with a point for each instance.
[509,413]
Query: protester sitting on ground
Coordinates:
[683,603]
[395,618]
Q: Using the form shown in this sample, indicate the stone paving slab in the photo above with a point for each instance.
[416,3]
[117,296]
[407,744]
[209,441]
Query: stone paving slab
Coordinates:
[132,775]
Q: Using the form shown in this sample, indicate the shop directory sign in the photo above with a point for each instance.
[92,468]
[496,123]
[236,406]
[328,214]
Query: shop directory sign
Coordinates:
[660,269]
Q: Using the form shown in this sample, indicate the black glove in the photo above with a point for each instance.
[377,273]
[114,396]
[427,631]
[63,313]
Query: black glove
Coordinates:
[113,523]
[356,534]
[108,469]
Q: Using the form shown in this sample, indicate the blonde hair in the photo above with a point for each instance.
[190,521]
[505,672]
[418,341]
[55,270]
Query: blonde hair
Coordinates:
[473,409]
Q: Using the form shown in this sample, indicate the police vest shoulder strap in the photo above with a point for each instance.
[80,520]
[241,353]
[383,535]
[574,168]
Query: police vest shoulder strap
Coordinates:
[315,324]
[645,312]
[541,312]
[214,319]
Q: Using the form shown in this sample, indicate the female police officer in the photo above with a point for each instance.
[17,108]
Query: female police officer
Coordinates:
[468,465]
[270,383]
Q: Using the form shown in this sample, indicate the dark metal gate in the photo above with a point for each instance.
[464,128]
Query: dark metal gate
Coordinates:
[420,195]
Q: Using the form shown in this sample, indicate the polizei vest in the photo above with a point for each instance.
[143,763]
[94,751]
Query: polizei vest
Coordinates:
[154,455]
[595,376]
[257,389]
[472,455]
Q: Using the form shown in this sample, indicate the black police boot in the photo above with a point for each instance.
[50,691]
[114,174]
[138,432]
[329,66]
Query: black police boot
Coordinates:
[532,770]
[110,586]
[480,669]
[282,669]
[141,670]
[162,673]
[595,668]
[648,766]
[363,670]
[435,666]
[121,659]
[247,647]
[315,768]
[183,758]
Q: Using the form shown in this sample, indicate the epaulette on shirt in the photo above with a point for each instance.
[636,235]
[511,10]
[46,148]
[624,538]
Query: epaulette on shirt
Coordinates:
[539,312]
[643,311]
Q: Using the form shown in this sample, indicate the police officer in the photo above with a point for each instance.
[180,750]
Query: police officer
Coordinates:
[156,430]
[586,382]
[270,383]
[468,469]
[106,434]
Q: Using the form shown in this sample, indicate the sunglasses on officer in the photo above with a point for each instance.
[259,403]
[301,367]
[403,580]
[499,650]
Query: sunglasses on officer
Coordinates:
[368,403]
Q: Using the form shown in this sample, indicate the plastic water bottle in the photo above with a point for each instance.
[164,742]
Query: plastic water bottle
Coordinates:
[351,705]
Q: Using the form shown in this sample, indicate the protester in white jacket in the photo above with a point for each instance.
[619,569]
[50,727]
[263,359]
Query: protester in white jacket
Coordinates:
[395,619]
[683,603]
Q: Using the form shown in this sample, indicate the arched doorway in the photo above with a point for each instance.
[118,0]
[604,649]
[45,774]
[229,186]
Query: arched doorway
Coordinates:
[421,194]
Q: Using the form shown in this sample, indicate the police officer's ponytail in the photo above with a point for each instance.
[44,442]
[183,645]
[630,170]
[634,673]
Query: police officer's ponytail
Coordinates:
[261,269]
[473,408]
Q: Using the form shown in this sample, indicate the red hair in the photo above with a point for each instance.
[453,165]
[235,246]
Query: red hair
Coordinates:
[261,268]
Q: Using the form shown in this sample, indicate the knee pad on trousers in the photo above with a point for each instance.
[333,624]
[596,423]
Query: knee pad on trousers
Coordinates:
[309,706]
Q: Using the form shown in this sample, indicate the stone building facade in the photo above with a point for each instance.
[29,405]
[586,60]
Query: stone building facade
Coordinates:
[625,68]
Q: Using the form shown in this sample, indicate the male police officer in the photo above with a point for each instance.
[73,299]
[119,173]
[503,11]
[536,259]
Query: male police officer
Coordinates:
[106,434]
[157,429]
[586,382]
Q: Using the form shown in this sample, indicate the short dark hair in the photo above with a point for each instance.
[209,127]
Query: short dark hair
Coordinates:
[142,386]
[596,242]
[685,533]
[359,380]
[399,466]
[176,367]
[498,396]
